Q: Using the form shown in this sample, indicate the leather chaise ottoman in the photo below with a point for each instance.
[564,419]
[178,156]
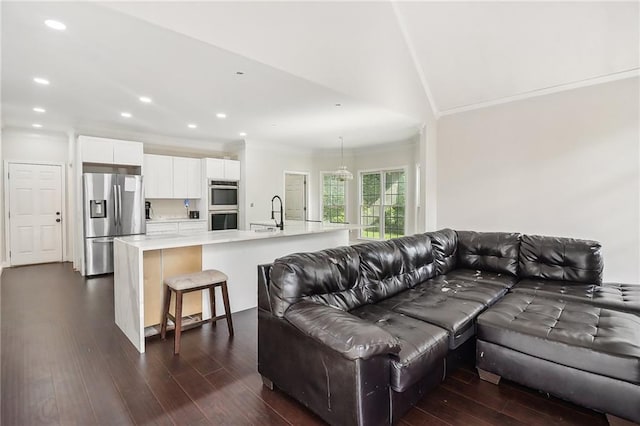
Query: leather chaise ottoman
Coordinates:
[583,353]
[625,297]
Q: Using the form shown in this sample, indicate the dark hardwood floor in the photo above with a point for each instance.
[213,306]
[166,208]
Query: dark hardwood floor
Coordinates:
[65,362]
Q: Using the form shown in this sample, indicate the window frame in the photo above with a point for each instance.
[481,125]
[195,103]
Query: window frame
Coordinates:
[382,171]
[346,197]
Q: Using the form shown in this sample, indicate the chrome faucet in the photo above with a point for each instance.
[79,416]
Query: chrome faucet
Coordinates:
[281,224]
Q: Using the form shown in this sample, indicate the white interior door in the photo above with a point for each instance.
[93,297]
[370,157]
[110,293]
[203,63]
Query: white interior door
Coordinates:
[295,196]
[35,213]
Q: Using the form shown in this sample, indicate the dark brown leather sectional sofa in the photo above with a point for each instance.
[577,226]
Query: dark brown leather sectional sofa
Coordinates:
[359,334]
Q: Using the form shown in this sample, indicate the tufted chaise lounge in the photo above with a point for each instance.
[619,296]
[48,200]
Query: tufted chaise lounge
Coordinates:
[563,332]
[359,334]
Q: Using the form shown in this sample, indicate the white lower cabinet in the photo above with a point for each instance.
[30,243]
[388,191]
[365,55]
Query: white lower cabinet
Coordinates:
[186,226]
[192,226]
[162,228]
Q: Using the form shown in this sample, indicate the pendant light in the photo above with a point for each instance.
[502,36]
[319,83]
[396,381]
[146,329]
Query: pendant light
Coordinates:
[342,173]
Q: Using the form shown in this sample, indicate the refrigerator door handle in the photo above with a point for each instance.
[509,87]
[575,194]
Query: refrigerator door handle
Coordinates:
[120,208]
[115,205]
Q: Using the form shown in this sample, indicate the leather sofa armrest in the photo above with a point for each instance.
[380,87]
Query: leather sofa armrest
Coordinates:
[347,334]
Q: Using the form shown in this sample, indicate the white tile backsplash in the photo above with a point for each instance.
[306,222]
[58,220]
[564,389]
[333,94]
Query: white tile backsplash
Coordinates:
[171,209]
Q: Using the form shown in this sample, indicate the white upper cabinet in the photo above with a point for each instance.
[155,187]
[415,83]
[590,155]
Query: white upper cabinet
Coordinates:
[232,170]
[158,176]
[96,150]
[172,177]
[111,151]
[180,177]
[215,168]
[194,178]
[128,153]
[223,169]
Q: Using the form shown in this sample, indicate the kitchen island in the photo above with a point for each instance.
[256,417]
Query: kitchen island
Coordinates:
[142,262]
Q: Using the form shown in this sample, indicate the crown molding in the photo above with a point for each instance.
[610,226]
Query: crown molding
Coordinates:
[635,72]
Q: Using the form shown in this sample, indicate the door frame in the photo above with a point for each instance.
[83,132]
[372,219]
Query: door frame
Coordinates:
[7,205]
[306,190]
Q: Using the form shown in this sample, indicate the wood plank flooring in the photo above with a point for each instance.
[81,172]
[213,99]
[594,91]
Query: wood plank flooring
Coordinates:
[64,362]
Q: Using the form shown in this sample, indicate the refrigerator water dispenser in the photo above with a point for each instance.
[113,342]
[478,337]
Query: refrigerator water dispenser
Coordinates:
[98,209]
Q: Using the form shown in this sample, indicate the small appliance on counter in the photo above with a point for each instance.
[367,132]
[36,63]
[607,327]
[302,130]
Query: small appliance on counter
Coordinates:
[194,214]
[147,210]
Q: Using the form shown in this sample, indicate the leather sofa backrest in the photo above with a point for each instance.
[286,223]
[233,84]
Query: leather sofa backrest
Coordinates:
[389,267]
[489,251]
[445,245]
[381,269]
[330,277]
[418,260]
[563,259]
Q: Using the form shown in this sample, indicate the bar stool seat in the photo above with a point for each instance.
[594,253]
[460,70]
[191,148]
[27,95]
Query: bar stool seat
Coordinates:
[198,279]
[208,279]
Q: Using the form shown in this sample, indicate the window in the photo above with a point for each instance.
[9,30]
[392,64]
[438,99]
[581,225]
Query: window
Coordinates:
[382,204]
[333,199]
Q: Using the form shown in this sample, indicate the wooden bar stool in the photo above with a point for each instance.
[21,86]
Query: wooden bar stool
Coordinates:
[181,284]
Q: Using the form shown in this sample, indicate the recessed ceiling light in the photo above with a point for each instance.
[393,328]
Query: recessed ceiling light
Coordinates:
[240,72]
[243,134]
[192,126]
[36,125]
[38,109]
[221,115]
[41,80]
[125,114]
[56,25]
[338,105]
[145,99]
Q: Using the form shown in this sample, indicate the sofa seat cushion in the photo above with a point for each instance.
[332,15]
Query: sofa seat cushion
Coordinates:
[459,284]
[423,346]
[624,297]
[483,277]
[589,338]
[441,306]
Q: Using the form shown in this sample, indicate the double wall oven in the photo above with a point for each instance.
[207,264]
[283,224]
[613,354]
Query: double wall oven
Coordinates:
[223,205]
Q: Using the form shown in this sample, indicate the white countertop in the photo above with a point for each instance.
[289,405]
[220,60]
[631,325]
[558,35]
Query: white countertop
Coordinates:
[291,228]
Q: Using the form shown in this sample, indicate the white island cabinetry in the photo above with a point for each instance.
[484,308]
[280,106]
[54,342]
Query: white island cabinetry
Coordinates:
[142,262]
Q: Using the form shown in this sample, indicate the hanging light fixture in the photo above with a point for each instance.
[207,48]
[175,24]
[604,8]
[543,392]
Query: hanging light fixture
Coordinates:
[342,173]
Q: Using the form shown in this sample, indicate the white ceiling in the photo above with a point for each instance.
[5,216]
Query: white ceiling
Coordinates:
[105,60]
[475,53]
[405,55]
[388,63]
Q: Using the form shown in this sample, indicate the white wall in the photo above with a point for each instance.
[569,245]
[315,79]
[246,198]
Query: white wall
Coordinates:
[404,154]
[263,177]
[26,145]
[565,164]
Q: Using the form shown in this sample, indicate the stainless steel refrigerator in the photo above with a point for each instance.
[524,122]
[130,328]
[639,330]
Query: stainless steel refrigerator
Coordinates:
[113,207]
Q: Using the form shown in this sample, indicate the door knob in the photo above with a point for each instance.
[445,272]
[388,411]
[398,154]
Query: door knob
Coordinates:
[58,213]
[58,220]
